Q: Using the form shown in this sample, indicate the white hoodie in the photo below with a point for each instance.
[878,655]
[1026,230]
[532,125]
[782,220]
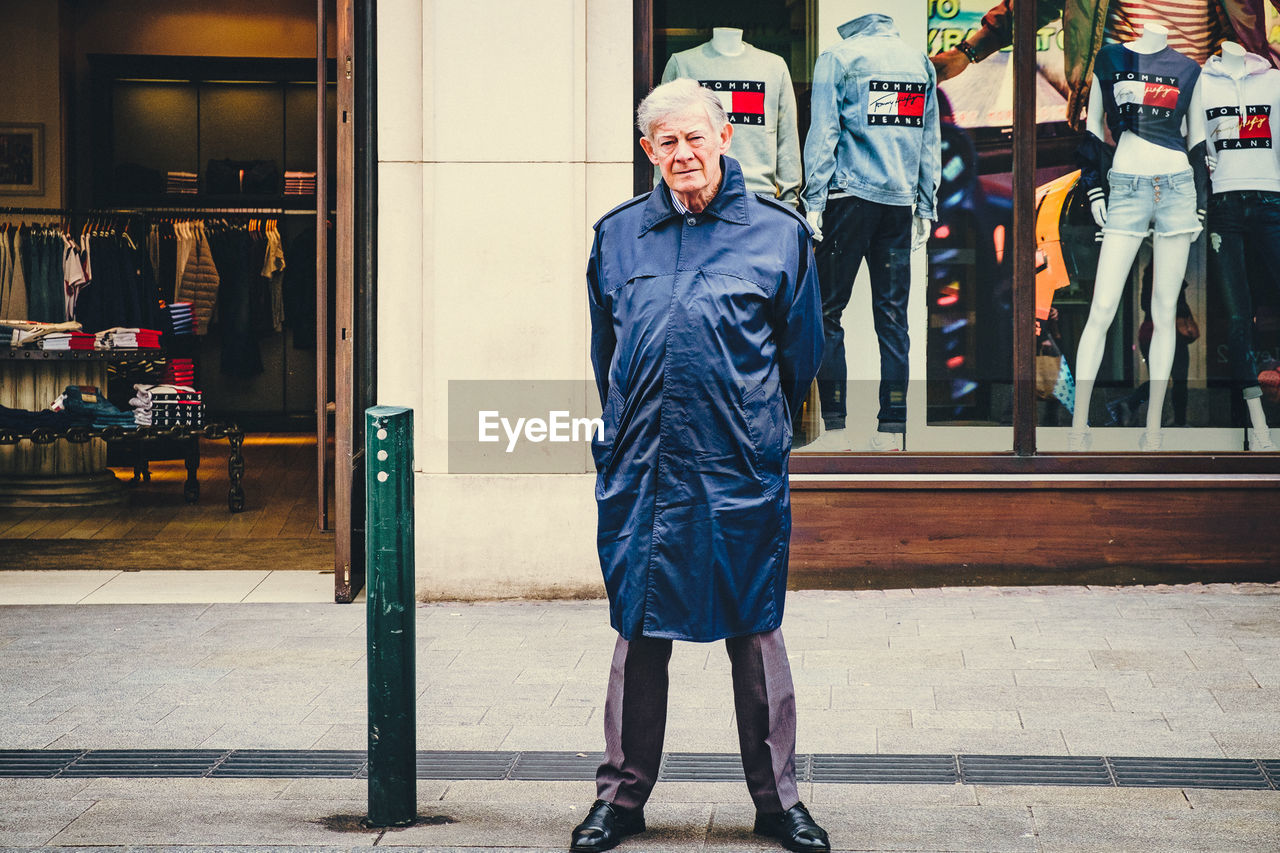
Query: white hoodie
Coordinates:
[1248,152]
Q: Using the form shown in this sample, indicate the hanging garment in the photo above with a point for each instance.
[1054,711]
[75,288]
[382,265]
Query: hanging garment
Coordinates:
[755,88]
[200,278]
[231,248]
[184,244]
[6,273]
[273,267]
[874,131]
[44,274]
[18,279]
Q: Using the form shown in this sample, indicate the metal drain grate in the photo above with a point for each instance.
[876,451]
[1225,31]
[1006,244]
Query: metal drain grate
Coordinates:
[35,763]
[449,764]
[557,766]
[1033,770]
[701,767]
[676,767]
[129,763]
[885,769]
[290,764]
[1188,773]
[1272,769]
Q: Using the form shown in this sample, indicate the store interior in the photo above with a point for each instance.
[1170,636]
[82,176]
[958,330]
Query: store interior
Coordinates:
[172,161]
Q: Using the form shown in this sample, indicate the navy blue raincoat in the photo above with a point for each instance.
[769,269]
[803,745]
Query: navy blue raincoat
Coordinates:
[706,331]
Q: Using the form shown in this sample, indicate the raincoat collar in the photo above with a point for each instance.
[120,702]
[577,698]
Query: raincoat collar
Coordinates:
[868,25]
[729,204]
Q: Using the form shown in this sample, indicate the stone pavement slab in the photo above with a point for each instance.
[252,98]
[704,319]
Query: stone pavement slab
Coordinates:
[1161,671]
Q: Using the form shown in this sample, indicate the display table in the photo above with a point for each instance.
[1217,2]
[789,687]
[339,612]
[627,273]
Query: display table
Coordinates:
[69,467]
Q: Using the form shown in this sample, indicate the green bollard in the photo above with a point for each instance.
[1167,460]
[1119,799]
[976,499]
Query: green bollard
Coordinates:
[393,782]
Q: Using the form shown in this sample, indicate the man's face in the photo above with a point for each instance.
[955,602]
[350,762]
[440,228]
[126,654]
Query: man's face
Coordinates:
[687,151]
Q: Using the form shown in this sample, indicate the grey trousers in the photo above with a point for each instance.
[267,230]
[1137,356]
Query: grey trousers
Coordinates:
[635,719]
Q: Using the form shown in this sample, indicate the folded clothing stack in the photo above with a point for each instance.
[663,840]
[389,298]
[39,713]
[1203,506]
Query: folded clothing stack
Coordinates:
[182,315]
[299,183]
[177,413]
[67,341]
[86,403]
[167,406]
[118,338]
[180,183]
[21,420]
[179,371]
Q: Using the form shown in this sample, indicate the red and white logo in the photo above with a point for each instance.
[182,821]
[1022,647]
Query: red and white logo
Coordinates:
[743,100]
[895,102]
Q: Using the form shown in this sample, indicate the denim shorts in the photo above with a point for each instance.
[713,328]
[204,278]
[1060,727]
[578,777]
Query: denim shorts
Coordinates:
[1136,200]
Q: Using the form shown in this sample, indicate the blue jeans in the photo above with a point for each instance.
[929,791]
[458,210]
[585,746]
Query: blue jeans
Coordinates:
[855,229]
[1240,222]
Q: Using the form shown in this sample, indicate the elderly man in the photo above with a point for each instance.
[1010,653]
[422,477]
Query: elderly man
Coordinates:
[706,330]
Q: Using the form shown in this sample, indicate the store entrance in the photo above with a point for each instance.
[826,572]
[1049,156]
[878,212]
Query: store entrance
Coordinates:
[170,182]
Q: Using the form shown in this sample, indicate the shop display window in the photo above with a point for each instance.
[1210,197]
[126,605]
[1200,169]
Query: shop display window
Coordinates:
[946,378]
[1206,352]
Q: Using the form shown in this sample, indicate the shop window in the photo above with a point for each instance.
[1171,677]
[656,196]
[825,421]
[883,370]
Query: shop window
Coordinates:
[1158,335]
[958,304]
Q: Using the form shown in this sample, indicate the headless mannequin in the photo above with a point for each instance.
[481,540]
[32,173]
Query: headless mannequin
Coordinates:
[1136,156]
[727,40]
[1232,58]
[1233,64]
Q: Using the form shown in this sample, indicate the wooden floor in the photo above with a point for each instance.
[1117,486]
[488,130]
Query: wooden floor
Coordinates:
[156,528]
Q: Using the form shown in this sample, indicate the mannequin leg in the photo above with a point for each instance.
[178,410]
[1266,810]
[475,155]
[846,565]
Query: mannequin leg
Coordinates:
[1114,262]
[1237,219]
[848,225]
[1170,267]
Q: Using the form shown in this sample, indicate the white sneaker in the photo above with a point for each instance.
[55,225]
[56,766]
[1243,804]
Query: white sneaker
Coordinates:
[1260,441]
[1079,441]
[886,441]
[831,441]
[1151,440]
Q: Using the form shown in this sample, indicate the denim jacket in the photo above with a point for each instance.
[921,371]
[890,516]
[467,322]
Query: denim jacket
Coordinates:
[874,127]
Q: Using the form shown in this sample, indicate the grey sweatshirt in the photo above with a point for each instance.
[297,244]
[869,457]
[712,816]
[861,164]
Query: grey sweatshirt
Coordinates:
[755,87]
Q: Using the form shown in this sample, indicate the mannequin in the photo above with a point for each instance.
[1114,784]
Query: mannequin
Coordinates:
[1137,156]
[1246,184]
[872,161]
[755,89]
[727,41]
[1232,58]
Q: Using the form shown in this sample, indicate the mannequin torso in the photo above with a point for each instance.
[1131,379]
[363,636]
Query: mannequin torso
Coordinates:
[1135,155]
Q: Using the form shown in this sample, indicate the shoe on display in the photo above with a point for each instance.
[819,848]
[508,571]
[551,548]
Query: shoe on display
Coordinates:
[831,441]
[1260,441]
[886,441]
[1079,441]
[604,826]
[795,829]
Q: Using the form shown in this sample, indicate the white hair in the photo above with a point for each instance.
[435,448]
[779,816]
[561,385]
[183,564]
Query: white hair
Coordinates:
[675,97]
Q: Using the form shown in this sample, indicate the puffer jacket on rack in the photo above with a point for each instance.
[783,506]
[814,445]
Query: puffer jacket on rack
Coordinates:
[200,281]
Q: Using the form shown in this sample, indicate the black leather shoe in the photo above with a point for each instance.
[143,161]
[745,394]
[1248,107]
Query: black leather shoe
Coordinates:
[795,829]
[605,826]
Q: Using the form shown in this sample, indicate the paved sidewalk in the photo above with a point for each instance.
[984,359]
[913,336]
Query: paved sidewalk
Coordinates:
[1182,672]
